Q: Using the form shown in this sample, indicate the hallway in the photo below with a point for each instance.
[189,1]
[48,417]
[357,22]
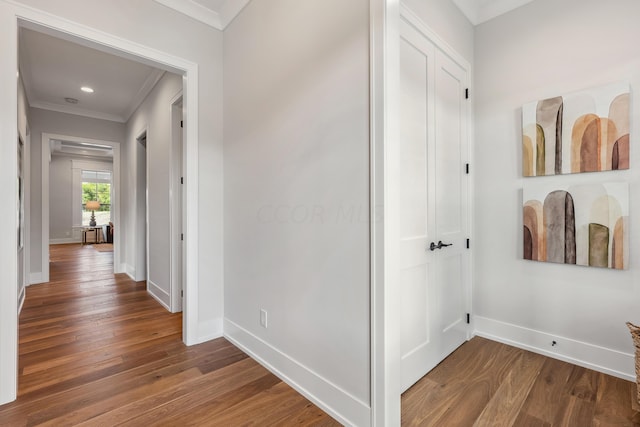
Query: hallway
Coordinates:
[96,349]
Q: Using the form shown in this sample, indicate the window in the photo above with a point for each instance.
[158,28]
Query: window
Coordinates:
[96,185]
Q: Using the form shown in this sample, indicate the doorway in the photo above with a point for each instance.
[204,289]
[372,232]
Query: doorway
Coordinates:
[177,203]
[434,225]
[141,211]
[15,16]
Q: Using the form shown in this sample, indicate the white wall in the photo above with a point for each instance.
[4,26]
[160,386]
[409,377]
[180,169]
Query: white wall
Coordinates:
[154,116]
[45,121]
[297,195]
[549,48]
[445,19]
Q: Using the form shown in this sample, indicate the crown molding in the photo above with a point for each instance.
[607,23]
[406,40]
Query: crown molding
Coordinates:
[194,10]
[152,79]
[78,111]
[478,12]
[216,19]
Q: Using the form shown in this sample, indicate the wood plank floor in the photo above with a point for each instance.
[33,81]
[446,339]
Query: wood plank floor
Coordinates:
[485,383]
[96,350]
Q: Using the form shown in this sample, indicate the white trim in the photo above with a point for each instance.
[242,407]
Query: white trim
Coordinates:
[191,219]
[129,271]
[10,13]
[216,19]
[410,17]
[140,276]
[8,214]
[385,303]
[78,111]
[597,358]
[176,224]
[93,165]
[152,79]
[21,298]
[115,203]
[196,11]
[345,408]
[158,294]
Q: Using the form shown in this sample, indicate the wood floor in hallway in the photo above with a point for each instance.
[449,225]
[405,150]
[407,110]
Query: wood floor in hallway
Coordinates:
[96,350]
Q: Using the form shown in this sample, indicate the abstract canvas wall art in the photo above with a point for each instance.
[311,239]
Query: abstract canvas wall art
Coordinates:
[582,132]
[580,224]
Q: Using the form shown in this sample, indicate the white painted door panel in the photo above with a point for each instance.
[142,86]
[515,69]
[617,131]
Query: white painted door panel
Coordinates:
[433,198]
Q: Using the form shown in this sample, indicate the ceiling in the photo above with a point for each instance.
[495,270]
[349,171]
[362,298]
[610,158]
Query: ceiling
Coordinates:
[53,69]
[479,11]
[219,13]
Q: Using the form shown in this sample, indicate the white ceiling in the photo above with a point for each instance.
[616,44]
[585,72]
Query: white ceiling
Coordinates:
[479,11]
[53,69]
[215,13]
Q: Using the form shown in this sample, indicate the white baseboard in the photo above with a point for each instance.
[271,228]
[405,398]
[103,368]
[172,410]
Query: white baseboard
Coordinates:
[64,241]
[601,359]
[23,293]
[342,406]
[159,294]
[129,271]
[35,278]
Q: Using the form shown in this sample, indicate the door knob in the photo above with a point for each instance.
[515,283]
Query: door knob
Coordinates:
[440,245]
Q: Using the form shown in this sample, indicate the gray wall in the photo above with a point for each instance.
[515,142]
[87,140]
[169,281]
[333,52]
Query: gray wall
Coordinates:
[296,132]
[545,49]
[60,199]
[154,116]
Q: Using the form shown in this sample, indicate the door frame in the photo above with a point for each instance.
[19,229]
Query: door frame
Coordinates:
[46,159]
[385,16]
[176,218]
[12,16]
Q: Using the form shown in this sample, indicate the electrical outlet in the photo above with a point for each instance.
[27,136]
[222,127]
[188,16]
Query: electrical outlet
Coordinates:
[68,233]
[263,318]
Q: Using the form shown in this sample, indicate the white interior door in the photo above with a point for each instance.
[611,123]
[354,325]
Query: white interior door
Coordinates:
[434,205]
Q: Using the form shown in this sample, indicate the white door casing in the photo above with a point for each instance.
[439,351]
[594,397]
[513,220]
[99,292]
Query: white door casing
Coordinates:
[434,205]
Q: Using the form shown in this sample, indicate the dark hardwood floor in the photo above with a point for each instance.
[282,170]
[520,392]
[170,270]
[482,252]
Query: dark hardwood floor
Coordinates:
[485,383]
[96,350]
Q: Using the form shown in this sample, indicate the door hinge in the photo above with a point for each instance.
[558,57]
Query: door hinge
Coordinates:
[468,244]
[181,236]
[181,123]
[182,294]
[466,168]
[466,93]
[468,318]
[181,180]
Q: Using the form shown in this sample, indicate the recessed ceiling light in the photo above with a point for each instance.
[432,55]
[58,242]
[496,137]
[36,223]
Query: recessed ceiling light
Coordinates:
[86,89]
[71,100]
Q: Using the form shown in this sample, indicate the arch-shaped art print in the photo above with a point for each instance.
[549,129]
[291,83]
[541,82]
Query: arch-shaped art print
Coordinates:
[586,131]
[585,224]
